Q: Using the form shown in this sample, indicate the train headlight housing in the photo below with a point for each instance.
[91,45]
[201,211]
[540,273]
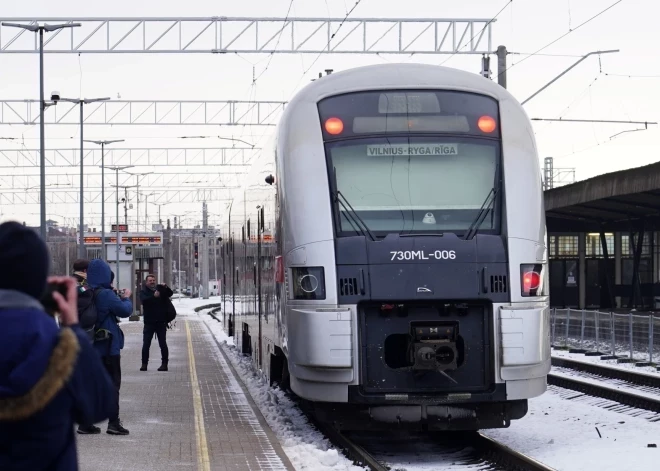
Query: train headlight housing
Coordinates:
[308,282]
[532,279]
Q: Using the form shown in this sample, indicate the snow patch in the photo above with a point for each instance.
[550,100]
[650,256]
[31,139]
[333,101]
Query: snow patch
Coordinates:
[574,435]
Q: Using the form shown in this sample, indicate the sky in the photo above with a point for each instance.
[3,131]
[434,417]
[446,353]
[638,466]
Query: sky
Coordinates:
[621,86]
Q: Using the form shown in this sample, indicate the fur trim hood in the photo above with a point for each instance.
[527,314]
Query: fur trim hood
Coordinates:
[60,368]
[36,358]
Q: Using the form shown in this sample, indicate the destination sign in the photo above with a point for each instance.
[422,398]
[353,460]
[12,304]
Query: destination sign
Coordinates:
[411,149]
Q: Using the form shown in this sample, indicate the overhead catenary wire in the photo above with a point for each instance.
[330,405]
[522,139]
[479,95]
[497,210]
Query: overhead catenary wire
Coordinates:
[564,35]
[332,36]
[508,3]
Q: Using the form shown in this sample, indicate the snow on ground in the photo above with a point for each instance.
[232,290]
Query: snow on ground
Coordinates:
[564,434]
[611,363]
[306,447]
[216,328]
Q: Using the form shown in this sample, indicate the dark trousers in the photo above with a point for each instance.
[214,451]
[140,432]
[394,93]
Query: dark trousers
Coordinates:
[113,366]
[160,329]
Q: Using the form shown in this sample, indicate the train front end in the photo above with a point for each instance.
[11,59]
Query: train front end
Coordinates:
[427,306]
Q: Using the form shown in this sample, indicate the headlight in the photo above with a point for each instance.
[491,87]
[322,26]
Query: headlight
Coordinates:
[308,283]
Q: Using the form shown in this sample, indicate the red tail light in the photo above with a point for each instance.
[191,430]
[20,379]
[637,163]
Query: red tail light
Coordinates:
[531,280]
[279,269]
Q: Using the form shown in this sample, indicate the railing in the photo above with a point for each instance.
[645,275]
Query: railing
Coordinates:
[628,338]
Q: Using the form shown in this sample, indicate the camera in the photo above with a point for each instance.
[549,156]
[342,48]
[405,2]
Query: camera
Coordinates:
[55,96]
[47,300]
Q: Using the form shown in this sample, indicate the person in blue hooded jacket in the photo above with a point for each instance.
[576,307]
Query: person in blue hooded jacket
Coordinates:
[109,339]
[50,377]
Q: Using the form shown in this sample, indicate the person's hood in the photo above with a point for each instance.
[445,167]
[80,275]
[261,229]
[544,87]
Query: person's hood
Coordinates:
[36,358]
[99,274]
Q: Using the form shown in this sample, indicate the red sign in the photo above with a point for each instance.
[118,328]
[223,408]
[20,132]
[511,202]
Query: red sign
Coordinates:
[122,228]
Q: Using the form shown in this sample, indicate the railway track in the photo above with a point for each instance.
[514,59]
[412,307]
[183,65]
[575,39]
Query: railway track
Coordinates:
[394,451]
[599,389]
[650,380]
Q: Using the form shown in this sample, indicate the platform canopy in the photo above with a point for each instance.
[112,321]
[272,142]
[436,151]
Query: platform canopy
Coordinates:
[617,201]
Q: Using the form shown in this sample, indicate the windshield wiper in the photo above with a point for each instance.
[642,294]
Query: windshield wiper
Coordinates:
[483,211]
[354,215]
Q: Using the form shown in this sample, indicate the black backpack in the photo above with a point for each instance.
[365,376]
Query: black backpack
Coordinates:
[87,312]
[170,313]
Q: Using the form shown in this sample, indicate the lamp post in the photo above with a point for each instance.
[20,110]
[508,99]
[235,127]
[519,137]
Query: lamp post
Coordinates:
[81,101]
[102,144]
[117,169]
[42,108]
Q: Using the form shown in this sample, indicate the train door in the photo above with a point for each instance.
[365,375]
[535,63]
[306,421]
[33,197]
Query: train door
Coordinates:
[234,281]
[259,268]
[246,345]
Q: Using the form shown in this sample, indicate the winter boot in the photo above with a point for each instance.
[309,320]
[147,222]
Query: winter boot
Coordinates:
[163,366]
[144,367]
[116,428]
[88,430]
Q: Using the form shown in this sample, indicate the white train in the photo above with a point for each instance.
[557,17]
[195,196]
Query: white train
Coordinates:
[386,255]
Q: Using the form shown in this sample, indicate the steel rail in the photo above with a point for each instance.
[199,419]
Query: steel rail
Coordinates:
[502,455]
[637,378]
[606,392]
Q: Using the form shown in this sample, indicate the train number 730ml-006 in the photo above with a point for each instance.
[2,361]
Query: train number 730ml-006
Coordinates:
[421,255]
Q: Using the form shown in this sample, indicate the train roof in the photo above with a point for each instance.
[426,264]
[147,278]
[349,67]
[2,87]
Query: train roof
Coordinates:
[398,75]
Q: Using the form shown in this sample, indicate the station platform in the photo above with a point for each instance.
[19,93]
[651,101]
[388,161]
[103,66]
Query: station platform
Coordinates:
[196,416]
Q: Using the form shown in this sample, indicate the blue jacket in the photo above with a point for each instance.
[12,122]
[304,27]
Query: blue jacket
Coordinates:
[50,380]
[108,306]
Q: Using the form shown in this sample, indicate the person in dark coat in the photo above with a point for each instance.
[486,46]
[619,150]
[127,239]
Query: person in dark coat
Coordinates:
[109,339]
[155,301]
[50,378]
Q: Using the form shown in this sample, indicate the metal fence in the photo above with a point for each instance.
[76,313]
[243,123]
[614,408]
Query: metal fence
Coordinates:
[631,337]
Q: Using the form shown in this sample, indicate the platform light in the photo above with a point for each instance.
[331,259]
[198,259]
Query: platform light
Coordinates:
[334,126]
[486,124]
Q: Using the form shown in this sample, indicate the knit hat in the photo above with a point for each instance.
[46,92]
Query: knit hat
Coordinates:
[24,260]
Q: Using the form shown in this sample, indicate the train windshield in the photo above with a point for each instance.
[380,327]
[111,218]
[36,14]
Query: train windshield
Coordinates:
[414,161]
[415,184]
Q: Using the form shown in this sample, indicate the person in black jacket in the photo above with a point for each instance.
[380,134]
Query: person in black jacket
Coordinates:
[155,300]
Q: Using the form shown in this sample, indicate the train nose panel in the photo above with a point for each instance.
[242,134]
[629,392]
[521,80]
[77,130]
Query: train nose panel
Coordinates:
[424,282]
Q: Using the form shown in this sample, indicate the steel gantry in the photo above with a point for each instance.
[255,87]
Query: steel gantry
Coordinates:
[222,35]
[229,158]
[147,112]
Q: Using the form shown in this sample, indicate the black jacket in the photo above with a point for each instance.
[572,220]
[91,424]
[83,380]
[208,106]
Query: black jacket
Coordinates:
[155,308]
